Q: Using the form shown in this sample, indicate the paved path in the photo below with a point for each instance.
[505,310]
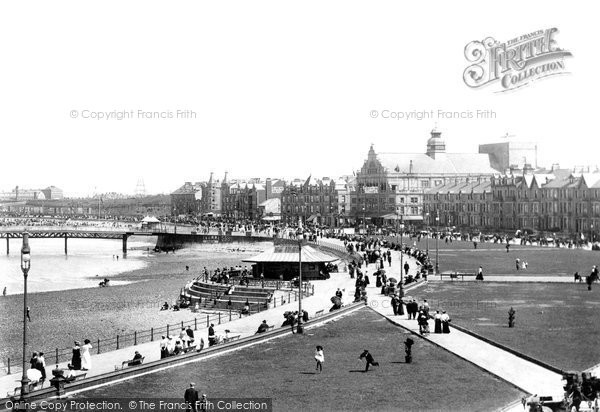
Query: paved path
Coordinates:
[541,278]
[523,374]
[246,326]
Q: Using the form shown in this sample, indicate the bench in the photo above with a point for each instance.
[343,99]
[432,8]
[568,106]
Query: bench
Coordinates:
[231,338]
[32,387]
[76,378]
[455,275]
[132,362]
[319,313]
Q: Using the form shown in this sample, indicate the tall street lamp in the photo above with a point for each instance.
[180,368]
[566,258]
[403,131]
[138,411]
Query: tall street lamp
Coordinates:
[437,238]
[25,265]
[300,237]
[427,235]
[401,287]
[364,220]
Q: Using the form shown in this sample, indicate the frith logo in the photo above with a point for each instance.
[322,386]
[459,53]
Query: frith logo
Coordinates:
[514,63]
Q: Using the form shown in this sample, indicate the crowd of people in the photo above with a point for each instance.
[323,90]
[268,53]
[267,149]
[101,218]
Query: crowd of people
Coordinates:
[186,340]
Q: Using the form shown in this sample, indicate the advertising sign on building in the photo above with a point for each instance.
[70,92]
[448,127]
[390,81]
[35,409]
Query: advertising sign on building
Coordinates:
[371,189]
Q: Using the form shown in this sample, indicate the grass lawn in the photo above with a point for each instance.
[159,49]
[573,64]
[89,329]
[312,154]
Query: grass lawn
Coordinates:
[494,259]
[556,323]
[284,369]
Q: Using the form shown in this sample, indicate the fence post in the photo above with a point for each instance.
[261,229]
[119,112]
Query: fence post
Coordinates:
[275,302]
[229,314]
[289,297]
[219,318]
[258,304]
[134,337]
[167,330]
[181,324]
[151,334]
[98,346]
[207,321]
[8,362]
[195,324]
[117,342]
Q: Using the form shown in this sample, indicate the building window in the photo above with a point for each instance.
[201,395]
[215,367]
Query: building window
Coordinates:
[424,183]
[414,200]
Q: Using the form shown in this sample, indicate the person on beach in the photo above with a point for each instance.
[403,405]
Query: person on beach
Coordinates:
[368,359]
[86,356]
[4,291]
[76,358]
[320,358]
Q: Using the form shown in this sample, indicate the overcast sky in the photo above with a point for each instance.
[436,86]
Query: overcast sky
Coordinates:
[279,89]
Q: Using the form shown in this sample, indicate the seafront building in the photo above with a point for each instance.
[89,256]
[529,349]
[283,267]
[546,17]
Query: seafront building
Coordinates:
[556,201]
[322,201]
[392,185]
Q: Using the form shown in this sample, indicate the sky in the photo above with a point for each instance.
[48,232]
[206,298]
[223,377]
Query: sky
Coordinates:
[277,88]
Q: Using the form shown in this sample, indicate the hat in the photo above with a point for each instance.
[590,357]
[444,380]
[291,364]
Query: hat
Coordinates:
[192,384]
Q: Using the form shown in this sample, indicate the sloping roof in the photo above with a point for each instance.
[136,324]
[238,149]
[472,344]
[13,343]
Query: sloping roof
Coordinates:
[448,163]
[188,188]
[150,219]
[289,253]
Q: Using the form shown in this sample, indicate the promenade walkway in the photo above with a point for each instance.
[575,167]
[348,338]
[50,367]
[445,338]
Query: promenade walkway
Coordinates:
[245,326]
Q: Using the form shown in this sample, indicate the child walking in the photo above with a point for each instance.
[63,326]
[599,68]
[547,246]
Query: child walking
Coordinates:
[320,358]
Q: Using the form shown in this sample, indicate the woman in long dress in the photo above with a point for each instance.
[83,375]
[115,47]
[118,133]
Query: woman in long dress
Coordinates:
[86,356]
[437,318]
[76,358]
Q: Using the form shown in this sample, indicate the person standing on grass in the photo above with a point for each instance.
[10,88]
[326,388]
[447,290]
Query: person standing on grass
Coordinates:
[320,358]
[517,263]
[191,398]
[369,359]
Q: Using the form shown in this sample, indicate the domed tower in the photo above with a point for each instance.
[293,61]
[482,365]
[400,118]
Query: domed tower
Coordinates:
[436,146]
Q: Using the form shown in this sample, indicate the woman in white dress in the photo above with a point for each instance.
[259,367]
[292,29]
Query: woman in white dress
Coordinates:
[86,356]
[320,358]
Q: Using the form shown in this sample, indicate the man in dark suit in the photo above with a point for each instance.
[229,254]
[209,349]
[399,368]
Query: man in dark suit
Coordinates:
[191,398]
[369,360]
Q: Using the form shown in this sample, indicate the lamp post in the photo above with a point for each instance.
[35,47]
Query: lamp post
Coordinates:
[25,264]
[427,235]
[437,238]
[364,220]
[300,237]
[400,287]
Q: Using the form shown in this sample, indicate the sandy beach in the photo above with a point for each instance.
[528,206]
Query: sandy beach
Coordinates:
[60,317]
